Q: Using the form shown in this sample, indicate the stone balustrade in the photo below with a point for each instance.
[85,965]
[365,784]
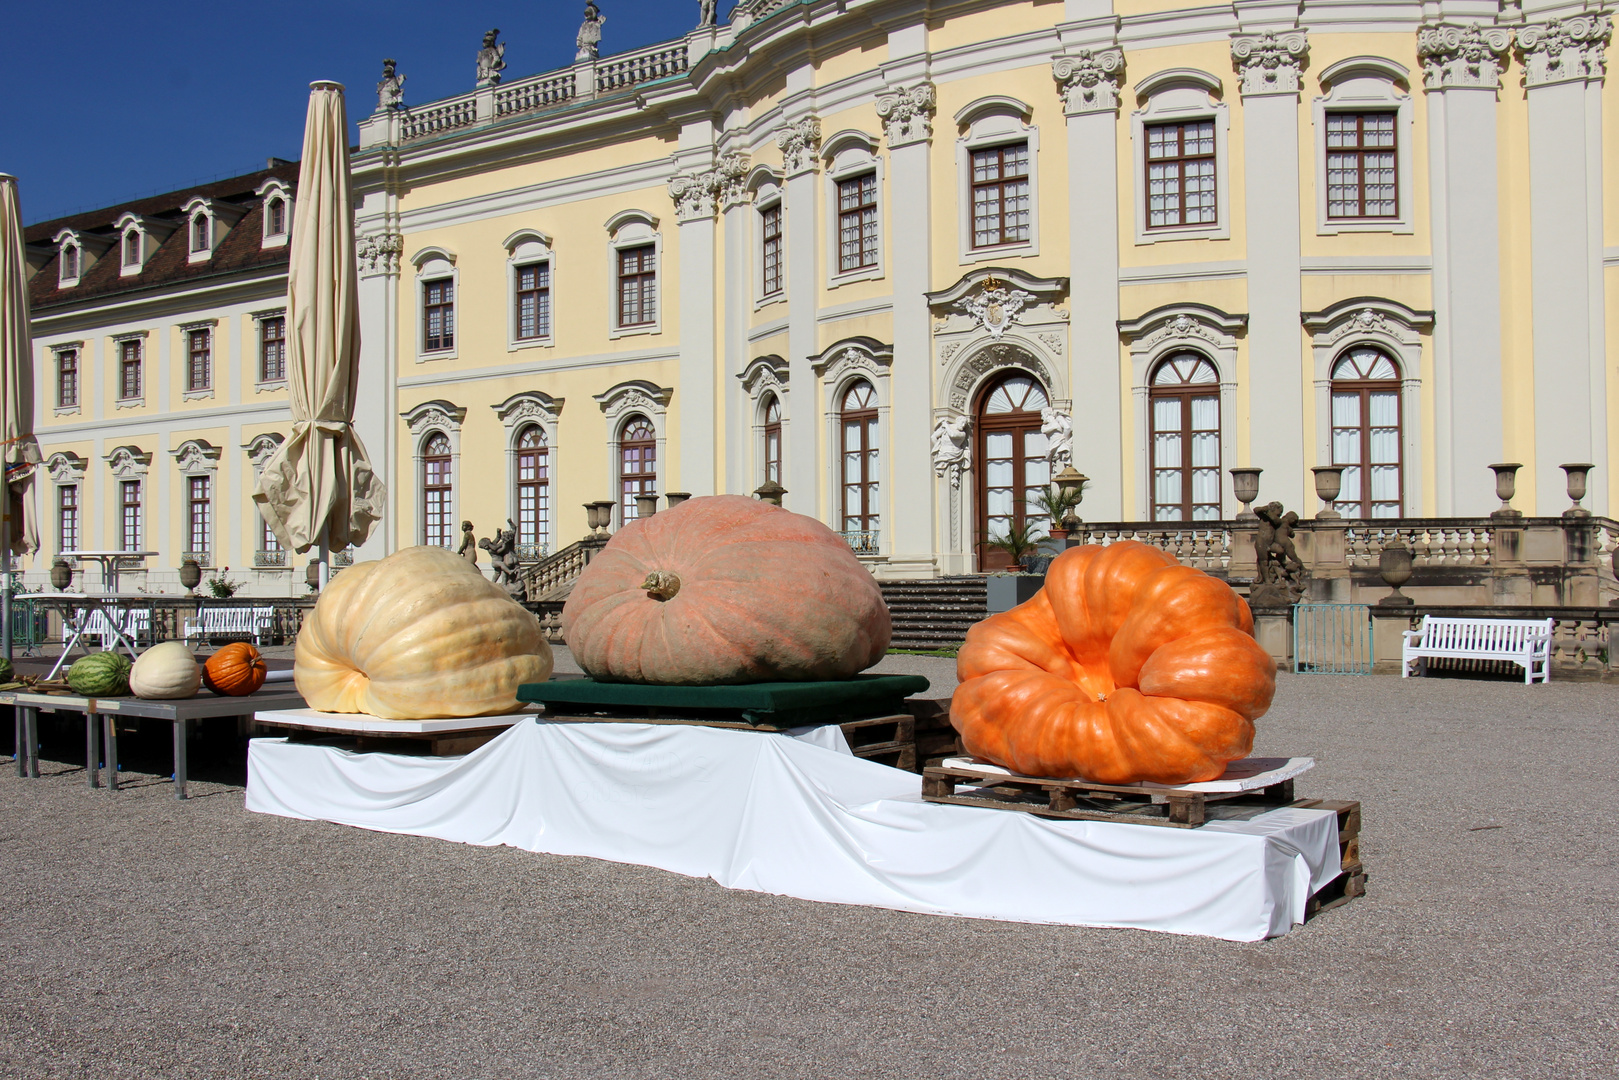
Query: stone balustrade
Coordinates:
[439,118]
[539,92]
[645,65]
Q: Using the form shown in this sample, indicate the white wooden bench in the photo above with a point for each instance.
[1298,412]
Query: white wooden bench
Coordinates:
[1525,642]
[233,621]
[96,623]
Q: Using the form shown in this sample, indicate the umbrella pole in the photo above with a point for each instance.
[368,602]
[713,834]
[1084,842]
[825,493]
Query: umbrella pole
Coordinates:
[325,556]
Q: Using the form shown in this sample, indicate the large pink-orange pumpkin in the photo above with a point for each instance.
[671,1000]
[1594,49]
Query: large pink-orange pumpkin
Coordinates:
[722,590]
[1125,667]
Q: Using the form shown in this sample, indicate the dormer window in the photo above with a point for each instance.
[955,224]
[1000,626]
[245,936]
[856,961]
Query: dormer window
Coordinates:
[69,268]
[199,234]
[210,221]
[277,204]
[132,249]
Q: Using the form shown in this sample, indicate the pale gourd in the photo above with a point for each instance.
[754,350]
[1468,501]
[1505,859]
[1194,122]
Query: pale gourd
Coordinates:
[419,635]
[165,671]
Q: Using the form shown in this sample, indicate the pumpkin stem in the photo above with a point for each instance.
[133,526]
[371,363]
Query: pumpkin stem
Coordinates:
[661,585]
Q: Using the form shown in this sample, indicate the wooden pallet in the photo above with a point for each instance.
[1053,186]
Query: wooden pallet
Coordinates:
[1351,880]
[1081,800]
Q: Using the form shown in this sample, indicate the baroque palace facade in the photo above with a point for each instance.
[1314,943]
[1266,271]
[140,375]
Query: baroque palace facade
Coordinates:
[908,259]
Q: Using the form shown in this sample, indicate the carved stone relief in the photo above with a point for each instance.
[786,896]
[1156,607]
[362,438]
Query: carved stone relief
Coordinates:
[996,356]
[952,447]
[1089,81]
[378,253]
[1270,63]
[1462,56]
[995,307]
[799,143]
[1565,49]
[907,115]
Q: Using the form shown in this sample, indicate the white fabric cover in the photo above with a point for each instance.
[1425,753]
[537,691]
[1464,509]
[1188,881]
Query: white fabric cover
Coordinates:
[774,814]
[18,448]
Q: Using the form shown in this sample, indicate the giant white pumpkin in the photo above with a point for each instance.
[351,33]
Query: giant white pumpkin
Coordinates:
[417,636]
[165,671]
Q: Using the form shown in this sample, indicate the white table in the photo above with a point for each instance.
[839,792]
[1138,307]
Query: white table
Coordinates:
[109,563]
[76,613]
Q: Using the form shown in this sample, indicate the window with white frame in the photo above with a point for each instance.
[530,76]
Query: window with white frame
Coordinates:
[67,517]
[68,271]
[200,517]
[1181,181]
[437,282]
[269,542]
[1363,150]
[999,193]
[859,476]
[129,369]
[273,349]
[1000,187]
[772,434]
[1366,435]
[772,269]
[637,464]
[855,219]
[533,494]
[199,360]
[276,215]
[531,300]
[200,233]
[1185,404]
[635,250]
[438,494]
[129,515]
[67,378]
[131,256]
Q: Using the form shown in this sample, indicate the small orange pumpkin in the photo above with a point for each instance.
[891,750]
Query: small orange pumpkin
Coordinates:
[235,671]
[725,589]
[1125,667]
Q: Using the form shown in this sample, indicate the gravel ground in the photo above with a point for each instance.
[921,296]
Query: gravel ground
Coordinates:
[148,938]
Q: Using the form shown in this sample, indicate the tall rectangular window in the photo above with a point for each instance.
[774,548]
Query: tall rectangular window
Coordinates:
[770,252]
[268,540]
[1180,175]
[1362,172]
[199,233]
[638,286]
[199,514]
[1001,195]
[199,360]
[273,349]
[857,222]
[129,369]
[533,301]
[70,263]
[129,517]
[67,378]
[533,490]
[438,314]
[438,495]
[132,248]
[67,518]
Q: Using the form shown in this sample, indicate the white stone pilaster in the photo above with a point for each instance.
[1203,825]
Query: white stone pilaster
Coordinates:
[376,399]
[800,143]
[1089,84]
[738,289]
[1269,67]
[1563,74]
[910,515]
[1462,74]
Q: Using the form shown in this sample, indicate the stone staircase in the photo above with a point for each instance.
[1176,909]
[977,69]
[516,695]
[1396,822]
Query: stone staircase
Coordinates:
[934,614]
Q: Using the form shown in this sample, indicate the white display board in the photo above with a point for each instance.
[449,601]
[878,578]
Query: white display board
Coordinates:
[775,814]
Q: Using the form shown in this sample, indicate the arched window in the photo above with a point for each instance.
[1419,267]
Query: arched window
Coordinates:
[533,490]
[1185,398]
[1014,470]
[199,232]
[132,248]
[637,464]
[276,225]
[438,507]
[1366,433]
[857,419]
[773,438]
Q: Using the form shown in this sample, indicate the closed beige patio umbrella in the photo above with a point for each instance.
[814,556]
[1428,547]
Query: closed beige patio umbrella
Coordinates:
[319,488]
[19,450]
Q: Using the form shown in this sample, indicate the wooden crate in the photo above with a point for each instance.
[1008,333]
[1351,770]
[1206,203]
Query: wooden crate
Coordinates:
[1081,800]
[1351,880]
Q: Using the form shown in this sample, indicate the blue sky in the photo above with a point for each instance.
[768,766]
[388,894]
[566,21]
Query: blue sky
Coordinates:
[108,102]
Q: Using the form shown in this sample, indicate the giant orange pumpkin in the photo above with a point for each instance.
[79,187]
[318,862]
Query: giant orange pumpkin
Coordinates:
[725,589]
[1125,667]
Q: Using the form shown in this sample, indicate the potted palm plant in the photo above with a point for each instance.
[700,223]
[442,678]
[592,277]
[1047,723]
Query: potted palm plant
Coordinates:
[1021,540]
[1056,502]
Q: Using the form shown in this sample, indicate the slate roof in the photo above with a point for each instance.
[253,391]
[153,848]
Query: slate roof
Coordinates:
[170,264]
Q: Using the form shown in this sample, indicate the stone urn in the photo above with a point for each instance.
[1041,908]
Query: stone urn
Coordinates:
[1329,483]
[1577,474]
[1506,486]
[769,491]
[190,575]
[62,575]
[1245,486]
[646,504]
[312,575]
[675,498]
[1394,566]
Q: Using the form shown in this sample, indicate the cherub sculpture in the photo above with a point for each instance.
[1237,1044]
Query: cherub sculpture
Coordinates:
[469,544]
[502,548]
[1277,558]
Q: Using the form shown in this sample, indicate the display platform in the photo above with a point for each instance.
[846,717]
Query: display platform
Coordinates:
[776,814]
[443,737]
[766,705]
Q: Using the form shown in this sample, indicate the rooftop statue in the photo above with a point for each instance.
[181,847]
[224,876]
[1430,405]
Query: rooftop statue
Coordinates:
[707,13]
[491,59]
[590,33]
[391,90]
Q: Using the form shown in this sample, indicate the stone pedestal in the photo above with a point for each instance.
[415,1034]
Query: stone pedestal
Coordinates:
[1388,628]
[1273,629]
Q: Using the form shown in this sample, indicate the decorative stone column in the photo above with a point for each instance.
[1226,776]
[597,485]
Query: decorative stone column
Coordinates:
[376,421]
[696,195]
[1461,68]
[909,512]
[800,143]
[737,305]
[1563,71]
[1269,66]
[1088,81]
